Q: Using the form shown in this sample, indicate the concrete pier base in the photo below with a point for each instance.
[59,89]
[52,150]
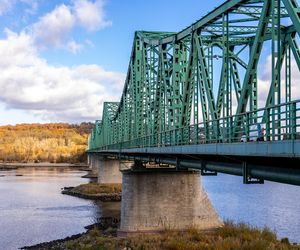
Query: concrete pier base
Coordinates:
[109,171]
[93,164]
[166,199]
[88,160]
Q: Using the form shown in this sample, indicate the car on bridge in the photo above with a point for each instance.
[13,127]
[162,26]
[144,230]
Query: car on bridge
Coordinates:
[256,133]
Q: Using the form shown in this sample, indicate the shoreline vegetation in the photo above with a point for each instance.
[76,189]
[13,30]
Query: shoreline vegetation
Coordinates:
[95,191]
[40,164]
[13,166]
[230,236]
[36,143]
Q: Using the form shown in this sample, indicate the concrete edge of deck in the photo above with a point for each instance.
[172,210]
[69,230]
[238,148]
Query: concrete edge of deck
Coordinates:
[287,148]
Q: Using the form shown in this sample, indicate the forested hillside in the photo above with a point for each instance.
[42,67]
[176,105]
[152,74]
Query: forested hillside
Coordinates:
[52,142]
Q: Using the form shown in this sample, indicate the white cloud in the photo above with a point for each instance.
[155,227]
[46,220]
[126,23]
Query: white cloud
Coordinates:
[6,6]
[90,43]
[90,15]
[33,6]
[17,50]
[53,28]
[28,82]
[74,47]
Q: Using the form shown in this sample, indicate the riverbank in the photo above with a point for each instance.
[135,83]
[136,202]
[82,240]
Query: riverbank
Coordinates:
[7,167]
[42,164]
[90,175]
[95,191]
[231,236]
[15,165]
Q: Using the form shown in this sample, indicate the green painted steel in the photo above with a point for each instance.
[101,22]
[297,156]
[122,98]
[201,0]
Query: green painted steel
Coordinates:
[201,85]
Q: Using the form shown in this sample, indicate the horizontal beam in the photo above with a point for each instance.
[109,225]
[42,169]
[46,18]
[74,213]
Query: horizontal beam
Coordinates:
[286,175]
[286,148]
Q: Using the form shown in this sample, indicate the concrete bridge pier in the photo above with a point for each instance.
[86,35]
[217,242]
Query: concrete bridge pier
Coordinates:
[88,159]
[93,163]
[106,169]
[109,171]
[154,200]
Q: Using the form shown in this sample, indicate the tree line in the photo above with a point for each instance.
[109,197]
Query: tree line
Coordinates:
[51,142]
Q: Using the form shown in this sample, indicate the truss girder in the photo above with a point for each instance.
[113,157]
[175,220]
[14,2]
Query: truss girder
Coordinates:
[205,73]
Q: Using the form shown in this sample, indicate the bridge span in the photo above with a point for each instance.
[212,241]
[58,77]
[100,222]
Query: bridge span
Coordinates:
[219,96]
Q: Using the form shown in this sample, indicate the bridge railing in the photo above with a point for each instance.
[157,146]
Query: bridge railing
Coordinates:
[274,123]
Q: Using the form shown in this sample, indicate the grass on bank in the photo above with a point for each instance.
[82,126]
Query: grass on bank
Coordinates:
[96,188]
[229,237]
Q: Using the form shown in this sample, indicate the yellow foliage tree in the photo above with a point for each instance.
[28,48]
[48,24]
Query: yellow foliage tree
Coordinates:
[52,142]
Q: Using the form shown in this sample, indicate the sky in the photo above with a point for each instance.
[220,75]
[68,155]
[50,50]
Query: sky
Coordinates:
[60,60]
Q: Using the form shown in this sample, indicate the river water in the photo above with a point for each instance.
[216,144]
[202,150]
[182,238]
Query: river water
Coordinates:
[271,204]
[32,210]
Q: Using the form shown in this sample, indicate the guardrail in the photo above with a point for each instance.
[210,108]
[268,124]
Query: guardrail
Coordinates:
[274,123]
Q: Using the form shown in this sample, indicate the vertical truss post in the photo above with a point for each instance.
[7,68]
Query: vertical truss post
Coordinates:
[287,90]
[132,102]
[288,75]
[276,69]
[168,89]
[196,106]
[211,64]
[138,83]
[153,64]
[204,75]
[143,92]
[165,102]
[157,99]
[227,108]
[178,76]
[147,87]
[253,61]
[188,89]
[253,95]
[161,94]
[293,110]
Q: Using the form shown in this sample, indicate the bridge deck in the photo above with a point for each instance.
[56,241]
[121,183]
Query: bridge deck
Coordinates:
[256,161]
[287,148]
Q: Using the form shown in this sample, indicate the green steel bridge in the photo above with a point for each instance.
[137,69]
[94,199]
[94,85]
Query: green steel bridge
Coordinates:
[220,95]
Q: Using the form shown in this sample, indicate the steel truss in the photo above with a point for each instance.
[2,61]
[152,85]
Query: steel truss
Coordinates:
[201,85]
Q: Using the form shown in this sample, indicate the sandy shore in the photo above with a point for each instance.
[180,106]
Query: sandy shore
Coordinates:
[43,164]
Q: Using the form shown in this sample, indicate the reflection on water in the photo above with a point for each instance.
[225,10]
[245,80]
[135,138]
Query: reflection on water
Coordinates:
[32,210]
[271,204]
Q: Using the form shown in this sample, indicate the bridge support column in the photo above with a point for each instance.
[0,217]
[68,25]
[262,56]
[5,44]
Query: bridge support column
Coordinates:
[154,200]
[93,163]
[109,171]
[88,159]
